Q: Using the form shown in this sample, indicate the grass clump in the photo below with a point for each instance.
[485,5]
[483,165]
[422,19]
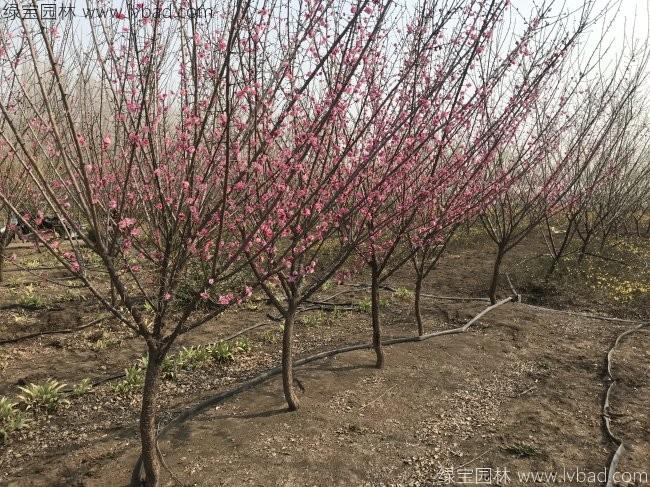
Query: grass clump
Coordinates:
[221,352]
[48,396]
[30,299]
[403,294]
[187,358]
[365,304]
[11,419]
[133,380]
[82,388]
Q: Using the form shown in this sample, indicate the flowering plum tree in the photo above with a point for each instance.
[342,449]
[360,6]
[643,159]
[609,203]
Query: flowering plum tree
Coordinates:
[637,220]
[605,191]
[328,162]
[171,147]
[13,183]
[552,152]
[387,107]
[469,95]
[13,178]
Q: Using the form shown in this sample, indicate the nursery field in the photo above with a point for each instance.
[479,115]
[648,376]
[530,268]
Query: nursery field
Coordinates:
[520,393]
[325,242]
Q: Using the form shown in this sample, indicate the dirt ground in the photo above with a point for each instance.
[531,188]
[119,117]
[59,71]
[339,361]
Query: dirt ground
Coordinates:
[520,393]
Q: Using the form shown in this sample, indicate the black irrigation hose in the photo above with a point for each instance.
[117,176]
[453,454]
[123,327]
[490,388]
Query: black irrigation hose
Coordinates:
[512,288]
[318,306]
[98,382]
[620,449]
[26,307]
[241,332]
[40,268]
[609,259]
[330,307]
[453,298]
[572,313]
[611,378]
[584,315]
[327,303]
[53,332]
[136,475]
[433,296]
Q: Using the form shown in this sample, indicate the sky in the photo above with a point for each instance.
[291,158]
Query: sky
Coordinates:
[623,24]
[631,14]
[624,20]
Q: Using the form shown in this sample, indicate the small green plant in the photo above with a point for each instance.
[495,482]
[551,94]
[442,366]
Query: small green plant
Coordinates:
[72,295]
[336,315]
[187,358]
[270,336]
[313,319]
[133,379]
[192,357]
[106,340]
[32,264]
[83,388]
[364,305]
[48,396]
[143,362]
[243,345]
[11,419]
[221,351]
[29,299]
[20,317]
[169,368]
[403,293]
[7,409]
[250,305]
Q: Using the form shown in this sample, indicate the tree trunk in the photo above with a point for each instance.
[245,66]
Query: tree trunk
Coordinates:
[2,259]
[5,240]
[495,276]
[558,255]
[376,325]
[583,248]
[148,421]
[606,234]
[551,269]
[287,359]
[418,314]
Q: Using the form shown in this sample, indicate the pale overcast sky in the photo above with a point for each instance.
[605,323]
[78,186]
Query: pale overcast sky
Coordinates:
[624,19]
